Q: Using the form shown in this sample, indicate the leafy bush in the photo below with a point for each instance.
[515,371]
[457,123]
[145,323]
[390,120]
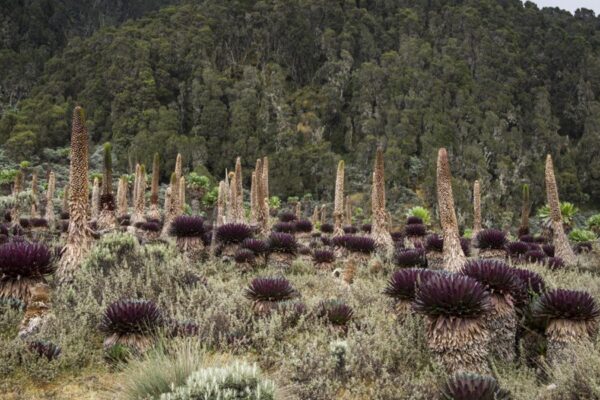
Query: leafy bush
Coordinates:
[582,235]
[593,223]
[161,369]
[451,295]
[420,212]
[471,387]
[567,211]
[238,381]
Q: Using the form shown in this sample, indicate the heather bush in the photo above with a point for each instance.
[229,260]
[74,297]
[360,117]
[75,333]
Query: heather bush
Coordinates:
[236,381]
[160,370]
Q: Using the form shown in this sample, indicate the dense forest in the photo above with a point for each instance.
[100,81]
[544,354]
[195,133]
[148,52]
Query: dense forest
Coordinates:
[308,82]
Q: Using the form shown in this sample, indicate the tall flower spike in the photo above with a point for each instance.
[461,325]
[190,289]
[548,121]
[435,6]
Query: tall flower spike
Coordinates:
[221,201]
[348,212]
[18,183]
[136,177]
[265,175]
[476,208]
[122,189]
[338,204]
[49,216]
[262,216]
[167,203]
[178,167]
[34,193]
[238,198]
[95,199]
[379,228]
[454,258]
[107,174]
[182,194]
[17,188]
[561,243]
[174,205]
[231,195]
[323,216]
[253,202]
[525,210]
[315,215]
[154,212]
[65,202]
[107,219]
[79,237]
[139,205]
[298,210]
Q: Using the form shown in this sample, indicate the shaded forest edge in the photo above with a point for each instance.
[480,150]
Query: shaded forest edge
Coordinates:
[499,83]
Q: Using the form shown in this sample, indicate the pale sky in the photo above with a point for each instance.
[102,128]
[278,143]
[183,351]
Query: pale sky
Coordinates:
[570,5]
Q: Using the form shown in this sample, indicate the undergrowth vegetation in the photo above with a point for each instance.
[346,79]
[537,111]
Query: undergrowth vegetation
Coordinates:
[379,355]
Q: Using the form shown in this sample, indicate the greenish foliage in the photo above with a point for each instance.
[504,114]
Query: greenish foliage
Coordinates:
[593,223]
[500,84]
[238,381]
[420,212]
[275,202]
[7,176]
[358,213]
[210,198]
[195,181]
[568,211]
[582,235]
[167,366]
[24,200]
[468,233]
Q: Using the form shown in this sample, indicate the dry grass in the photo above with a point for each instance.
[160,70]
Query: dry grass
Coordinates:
[379,358]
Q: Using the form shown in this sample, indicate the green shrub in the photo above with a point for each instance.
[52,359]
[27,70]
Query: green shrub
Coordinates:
[274,202]
[567,211]
[7,176]
[238,381]
[111,249]
[420,212]
[593,223]
[162,369]
[582,235]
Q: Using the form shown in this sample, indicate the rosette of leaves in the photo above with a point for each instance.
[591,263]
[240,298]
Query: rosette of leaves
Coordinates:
[245,257]
[233,233]
[434,247]
[323,258]
[516,250]
[189,232]
[570,318]
[286,227]
[336,313]
[359,244]
[468,386]
[267,292]
[22,266]
[42,348]
[304,226]
[350,230]
[457,333]
[287,216]
[491,243]
[505,288]
[326,228]
[132,323]
[410,258]
[402,287]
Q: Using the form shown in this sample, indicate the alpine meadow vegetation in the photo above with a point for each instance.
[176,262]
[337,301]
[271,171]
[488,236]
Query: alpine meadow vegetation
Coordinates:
[299,200]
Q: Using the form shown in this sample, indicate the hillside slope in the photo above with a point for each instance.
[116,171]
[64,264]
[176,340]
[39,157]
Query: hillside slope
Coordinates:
[308,81]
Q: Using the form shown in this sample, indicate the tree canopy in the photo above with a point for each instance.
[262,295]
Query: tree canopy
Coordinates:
[307,82]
